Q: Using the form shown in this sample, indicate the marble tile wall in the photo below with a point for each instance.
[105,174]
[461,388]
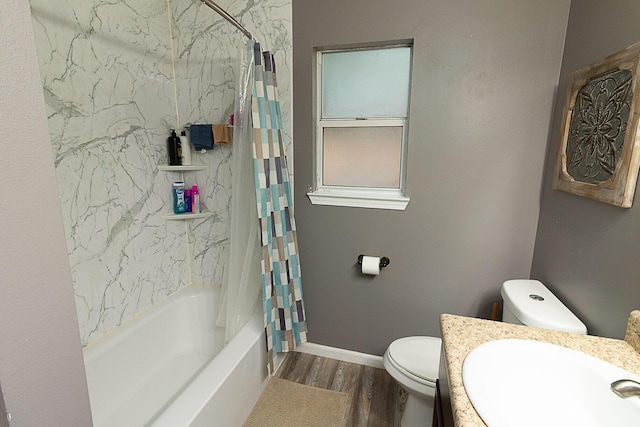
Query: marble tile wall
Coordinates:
[111,97]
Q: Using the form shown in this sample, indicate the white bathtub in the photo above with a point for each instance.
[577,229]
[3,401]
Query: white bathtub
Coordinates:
[168,368]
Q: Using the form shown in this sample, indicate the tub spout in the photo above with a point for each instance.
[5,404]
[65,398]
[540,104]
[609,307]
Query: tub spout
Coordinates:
[626,388]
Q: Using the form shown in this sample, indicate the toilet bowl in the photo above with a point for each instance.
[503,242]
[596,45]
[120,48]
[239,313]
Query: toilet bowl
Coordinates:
[413,362]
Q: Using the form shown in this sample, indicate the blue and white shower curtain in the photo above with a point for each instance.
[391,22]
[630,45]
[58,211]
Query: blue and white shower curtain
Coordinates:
[285,322]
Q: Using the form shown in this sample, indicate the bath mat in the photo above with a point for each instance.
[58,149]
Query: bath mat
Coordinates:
[287,404]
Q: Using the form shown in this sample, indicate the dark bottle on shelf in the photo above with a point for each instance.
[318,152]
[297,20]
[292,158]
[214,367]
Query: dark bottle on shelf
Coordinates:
[173,149]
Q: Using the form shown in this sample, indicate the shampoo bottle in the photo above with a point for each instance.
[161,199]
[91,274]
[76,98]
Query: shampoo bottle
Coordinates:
[173,147]
[187,200]
[195,200]
[179,206]
[186,148]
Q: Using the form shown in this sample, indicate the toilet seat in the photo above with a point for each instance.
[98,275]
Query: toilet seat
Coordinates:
[417,358]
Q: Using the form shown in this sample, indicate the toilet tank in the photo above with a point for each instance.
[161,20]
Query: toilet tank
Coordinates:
[529,302]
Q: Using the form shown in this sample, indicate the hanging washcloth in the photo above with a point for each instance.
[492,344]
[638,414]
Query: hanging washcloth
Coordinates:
[201,137]
[221,134]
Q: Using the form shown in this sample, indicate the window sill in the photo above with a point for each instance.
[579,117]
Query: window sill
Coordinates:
[360,199]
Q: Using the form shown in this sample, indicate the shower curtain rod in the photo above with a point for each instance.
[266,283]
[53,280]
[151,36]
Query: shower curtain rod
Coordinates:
[228,17]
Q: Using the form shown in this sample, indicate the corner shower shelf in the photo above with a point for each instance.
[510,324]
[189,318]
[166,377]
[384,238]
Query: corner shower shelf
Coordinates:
[182,168]
[186,216]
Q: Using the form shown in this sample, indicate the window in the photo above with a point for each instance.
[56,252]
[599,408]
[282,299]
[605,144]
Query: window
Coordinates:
[361,126]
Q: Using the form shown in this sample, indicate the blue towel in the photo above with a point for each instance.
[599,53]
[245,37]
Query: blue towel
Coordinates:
[201,137]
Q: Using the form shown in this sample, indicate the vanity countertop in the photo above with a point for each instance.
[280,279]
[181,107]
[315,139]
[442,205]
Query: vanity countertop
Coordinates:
[461,334]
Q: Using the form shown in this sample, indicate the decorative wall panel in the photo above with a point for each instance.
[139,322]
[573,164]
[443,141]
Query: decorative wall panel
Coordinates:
[599,151]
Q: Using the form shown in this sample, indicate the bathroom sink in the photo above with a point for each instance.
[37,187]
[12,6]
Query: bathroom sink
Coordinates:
[529,383]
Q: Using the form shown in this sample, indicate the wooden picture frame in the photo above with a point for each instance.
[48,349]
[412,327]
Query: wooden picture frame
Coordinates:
[599,153]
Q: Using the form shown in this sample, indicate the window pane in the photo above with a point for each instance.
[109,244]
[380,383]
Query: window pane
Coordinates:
[366,83]
[362,156]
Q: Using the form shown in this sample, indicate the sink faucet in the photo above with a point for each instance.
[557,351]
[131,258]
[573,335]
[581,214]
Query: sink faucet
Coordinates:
[626,388]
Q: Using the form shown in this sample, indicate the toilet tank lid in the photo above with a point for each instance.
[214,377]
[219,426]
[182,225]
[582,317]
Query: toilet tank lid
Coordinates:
[419,355]
[534,305]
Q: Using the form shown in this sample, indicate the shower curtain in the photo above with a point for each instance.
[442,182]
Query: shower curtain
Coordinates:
[242,274]
[263,246]
[285,323]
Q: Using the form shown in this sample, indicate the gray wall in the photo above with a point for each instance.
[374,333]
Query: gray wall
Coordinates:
[586,251]
[41,369]
[4,422]
[484,79]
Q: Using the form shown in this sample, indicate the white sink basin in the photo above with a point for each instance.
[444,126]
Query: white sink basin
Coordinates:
[521,383]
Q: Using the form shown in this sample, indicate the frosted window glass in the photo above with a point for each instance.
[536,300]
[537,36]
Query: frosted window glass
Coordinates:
[366,83]
[362,156]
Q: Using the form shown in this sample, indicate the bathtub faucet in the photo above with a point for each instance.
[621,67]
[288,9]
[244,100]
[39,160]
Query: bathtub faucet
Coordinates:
[626,388]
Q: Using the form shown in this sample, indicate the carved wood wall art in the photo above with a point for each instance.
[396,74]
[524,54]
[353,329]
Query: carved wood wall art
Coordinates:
[599,153]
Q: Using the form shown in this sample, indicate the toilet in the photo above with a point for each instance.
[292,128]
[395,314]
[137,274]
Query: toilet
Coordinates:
[414,361]
[530,303]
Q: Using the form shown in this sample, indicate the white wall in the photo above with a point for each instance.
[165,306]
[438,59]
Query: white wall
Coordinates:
[41,367]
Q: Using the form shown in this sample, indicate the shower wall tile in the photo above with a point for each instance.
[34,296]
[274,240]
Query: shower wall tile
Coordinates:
[110,93]
[207,50]
[107,75]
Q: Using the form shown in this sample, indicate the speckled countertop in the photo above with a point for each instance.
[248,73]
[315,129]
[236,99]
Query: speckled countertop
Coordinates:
[460,335]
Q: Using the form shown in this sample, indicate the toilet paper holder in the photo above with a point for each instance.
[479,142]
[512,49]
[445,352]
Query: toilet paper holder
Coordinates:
[384,261]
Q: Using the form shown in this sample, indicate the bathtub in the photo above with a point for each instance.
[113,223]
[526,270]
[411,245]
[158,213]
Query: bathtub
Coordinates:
[169,367]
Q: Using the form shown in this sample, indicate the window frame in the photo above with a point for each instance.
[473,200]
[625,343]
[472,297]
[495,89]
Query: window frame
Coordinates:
[352,196]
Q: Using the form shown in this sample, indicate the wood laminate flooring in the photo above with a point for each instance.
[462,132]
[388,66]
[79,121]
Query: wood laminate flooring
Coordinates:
[375,397]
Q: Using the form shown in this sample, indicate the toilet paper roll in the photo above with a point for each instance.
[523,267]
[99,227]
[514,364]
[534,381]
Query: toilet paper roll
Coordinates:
[371,265]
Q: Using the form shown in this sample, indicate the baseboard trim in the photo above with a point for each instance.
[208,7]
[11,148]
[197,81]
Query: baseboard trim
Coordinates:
[341,354]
